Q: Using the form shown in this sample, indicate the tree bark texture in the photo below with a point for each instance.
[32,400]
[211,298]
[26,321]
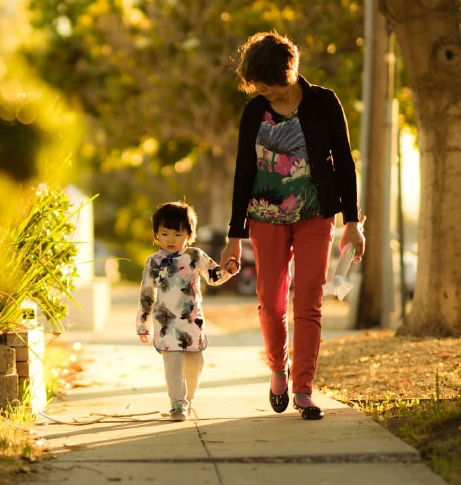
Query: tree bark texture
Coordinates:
[370,306]
[428,33]
[219,180]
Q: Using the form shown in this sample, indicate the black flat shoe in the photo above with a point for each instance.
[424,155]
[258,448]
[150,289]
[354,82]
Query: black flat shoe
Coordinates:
[280,402]
[311,412]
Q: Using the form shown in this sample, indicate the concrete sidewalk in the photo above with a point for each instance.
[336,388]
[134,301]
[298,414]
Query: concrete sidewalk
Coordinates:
[232,438]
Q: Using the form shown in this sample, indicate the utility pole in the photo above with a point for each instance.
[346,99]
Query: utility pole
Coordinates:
[374,305]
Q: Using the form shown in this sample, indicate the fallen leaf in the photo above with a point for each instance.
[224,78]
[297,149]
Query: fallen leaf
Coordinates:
[77,384]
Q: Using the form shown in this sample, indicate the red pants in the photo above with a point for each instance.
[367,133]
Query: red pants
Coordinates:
[309,241]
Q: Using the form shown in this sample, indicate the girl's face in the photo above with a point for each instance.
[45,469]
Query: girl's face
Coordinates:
[172,240]
[272,92]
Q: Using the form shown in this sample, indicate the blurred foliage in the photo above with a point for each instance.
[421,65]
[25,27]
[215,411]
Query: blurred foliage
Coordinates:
[38,133]
[37,136]
[155,81]
[36,257]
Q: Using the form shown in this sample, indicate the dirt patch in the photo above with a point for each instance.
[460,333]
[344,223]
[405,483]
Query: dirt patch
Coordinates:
[379,365]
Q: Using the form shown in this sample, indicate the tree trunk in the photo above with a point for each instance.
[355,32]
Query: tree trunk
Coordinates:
[370,306]
[429,38]
[219,182]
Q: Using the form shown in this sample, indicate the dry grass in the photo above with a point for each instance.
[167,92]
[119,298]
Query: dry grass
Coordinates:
[20,444]
[377,364]
[410,385]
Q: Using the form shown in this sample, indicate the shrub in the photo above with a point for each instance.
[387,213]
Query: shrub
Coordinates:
[37,259]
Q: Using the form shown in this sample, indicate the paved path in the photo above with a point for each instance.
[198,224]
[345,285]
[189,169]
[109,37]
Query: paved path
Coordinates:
[233,437]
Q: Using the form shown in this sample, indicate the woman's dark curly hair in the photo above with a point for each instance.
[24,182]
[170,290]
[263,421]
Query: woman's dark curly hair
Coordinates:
[267,57]
[177,216]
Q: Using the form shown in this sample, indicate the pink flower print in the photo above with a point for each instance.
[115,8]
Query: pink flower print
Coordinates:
[268,118]
[300,168]
[264,157]
[283,164]
[289,204]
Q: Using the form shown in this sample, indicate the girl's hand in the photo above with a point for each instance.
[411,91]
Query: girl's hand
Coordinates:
[233,249]
[353,234]
[144,338]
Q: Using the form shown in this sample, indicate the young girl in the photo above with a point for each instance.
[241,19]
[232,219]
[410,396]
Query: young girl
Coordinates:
[171,287]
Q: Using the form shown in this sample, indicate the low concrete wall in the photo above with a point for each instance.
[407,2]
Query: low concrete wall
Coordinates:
[27,347]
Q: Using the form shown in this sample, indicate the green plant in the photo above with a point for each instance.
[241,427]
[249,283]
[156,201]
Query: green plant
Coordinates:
[17,439]
[37,258]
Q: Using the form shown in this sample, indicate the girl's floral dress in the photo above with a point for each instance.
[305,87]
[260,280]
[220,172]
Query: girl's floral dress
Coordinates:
[283,191]
[170,289]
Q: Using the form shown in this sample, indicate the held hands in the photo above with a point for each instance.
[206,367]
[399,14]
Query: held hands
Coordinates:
[353,233]
[232,251]
[232,266]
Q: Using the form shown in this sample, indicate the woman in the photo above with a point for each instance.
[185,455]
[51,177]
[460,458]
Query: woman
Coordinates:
[294,172]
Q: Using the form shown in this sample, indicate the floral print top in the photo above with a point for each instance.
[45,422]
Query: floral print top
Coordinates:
[170,289]
[283,191]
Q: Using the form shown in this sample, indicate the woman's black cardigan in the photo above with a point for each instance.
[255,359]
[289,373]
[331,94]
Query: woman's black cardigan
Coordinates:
[327,139]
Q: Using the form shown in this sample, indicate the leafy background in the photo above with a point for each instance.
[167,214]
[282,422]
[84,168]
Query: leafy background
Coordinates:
[155,83]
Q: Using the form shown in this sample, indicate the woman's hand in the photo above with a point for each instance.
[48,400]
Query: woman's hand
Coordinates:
[233,249]
[144,338]
[353,233]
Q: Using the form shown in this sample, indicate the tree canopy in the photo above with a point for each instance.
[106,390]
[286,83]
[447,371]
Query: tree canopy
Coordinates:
[155,81]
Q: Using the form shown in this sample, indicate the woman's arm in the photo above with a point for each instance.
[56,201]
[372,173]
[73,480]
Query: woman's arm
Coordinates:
[233,249]
[346,179]
[344,165]
[245,167]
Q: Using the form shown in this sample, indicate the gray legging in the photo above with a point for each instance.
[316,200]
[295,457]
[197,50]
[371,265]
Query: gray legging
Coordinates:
[182,373]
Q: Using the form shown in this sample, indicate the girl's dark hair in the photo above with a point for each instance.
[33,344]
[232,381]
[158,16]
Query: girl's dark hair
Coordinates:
[267,57]
[175,215]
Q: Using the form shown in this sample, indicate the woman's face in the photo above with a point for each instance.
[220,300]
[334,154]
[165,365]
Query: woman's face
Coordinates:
[272,92]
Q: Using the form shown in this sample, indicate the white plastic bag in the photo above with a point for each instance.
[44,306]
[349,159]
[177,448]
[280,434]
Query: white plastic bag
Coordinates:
[338,286]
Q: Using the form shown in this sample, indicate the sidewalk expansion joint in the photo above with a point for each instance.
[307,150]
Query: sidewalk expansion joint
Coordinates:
[406,458]
[207,451]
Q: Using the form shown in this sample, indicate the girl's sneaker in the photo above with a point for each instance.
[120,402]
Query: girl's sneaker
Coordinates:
[177,413]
